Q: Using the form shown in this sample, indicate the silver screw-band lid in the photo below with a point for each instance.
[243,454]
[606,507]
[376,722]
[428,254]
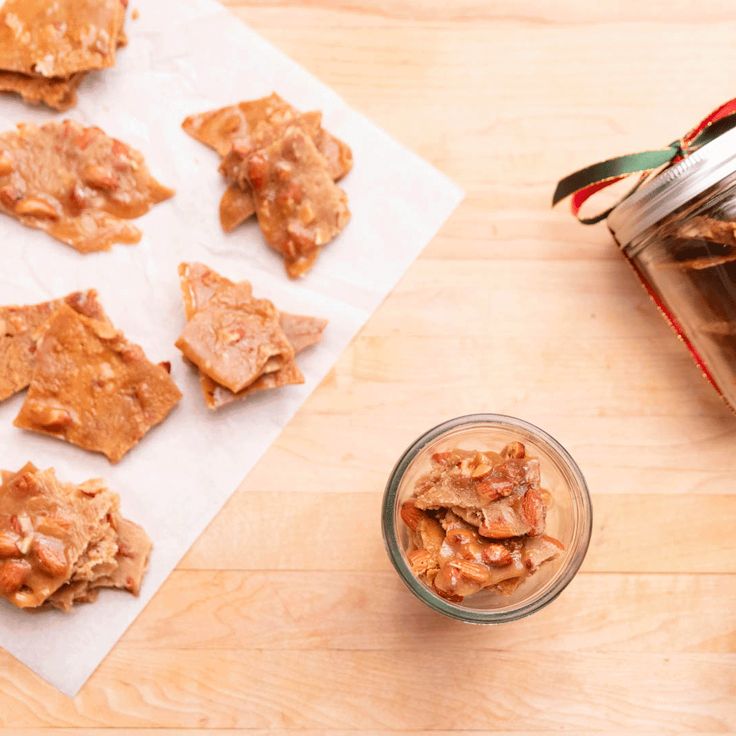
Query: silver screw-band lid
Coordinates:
[673,188]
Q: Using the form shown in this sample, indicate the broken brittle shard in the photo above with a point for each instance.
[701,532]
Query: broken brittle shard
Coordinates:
[46,48]
[300,208]
[21,330]
[76,183]
[59,93]
[235,338]
[93,388]
[199,285]
[237,132]
[61,543]
[220,128]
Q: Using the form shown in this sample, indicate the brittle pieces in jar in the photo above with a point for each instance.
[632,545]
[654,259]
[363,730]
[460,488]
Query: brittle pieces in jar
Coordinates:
[452,558]
[93,388]
[199,284]
[76,183]
[490,511]
[21,329]
[703,227]
[299,207]
[486,490]
[61,543]
[695,254]
[427,537]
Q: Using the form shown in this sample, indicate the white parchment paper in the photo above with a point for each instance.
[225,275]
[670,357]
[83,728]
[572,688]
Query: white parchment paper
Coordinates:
[184,58]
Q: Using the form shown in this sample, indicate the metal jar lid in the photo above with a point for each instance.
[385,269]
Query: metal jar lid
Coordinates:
[673,188]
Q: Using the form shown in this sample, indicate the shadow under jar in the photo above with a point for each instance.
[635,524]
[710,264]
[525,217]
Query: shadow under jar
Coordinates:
[678,231]
[568,517]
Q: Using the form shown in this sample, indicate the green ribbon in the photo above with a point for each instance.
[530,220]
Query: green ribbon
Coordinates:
[600,175]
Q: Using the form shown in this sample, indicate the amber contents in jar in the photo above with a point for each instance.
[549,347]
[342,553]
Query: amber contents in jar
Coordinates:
[689,261]
[477,521]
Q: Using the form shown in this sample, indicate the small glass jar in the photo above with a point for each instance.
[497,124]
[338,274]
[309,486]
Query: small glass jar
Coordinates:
[569,517]
[678,231]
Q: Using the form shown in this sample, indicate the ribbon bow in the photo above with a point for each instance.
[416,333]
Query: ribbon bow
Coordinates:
[585,183]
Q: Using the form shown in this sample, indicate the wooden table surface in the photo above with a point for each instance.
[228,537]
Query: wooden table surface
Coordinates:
[286,614]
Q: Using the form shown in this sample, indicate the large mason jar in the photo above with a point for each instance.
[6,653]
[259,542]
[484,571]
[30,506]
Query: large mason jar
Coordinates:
[678,231]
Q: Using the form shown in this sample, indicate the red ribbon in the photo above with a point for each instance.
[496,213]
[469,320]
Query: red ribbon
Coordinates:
[583,184]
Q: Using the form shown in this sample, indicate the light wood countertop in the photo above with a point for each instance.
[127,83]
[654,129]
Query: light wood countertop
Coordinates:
[286,614]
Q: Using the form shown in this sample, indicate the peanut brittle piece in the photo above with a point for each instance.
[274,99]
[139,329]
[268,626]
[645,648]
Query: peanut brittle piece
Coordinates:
[337,154]
[233,165]
[21,328]
[60,38]
[232,338]
[96,562]
[76,183]
[472,480]
[219,128]
[300,208]
[255,123]
[217,396]
[119,559]
[301,330]
[237,131]
[427,537]
[45,528]
[134,551]
[237,204]
[93,388]
[198,284]
[58,93]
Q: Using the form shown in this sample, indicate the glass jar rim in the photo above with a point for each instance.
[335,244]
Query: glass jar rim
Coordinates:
[418,588]
[672,188]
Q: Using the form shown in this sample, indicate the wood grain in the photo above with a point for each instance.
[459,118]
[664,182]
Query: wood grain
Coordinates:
[335,689]
[286,615]
[341,531]
[369,611]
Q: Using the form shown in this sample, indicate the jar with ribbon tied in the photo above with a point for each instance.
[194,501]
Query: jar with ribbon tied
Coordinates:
[676,226]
